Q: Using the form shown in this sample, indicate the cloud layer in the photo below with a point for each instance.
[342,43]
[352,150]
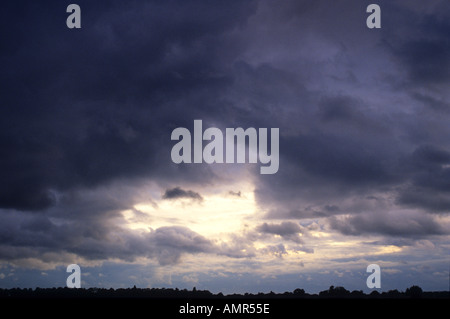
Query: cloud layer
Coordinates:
[87,114]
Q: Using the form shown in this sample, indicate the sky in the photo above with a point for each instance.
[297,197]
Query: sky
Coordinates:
[86,117]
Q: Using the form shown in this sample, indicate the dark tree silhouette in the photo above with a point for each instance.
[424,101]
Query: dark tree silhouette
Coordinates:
[414,292]
[299,292]
[167,293]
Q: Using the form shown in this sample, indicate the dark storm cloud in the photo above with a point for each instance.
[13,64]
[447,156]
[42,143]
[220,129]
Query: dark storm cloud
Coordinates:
[342,109]
[427,60]
[335,158]
[178,192]
[429,186]
[428,155]
[349,147]
[361,113]
[84,107]
[425,55]
[426,199]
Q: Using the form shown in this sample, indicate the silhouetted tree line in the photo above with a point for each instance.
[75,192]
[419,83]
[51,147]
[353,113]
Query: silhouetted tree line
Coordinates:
[332,292]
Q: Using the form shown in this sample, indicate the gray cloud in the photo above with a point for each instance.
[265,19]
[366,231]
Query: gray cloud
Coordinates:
[39,236]
[287,230]
[276,250]
[426,199]
[170,242]
[238,194]
[413,225]
[177,192]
